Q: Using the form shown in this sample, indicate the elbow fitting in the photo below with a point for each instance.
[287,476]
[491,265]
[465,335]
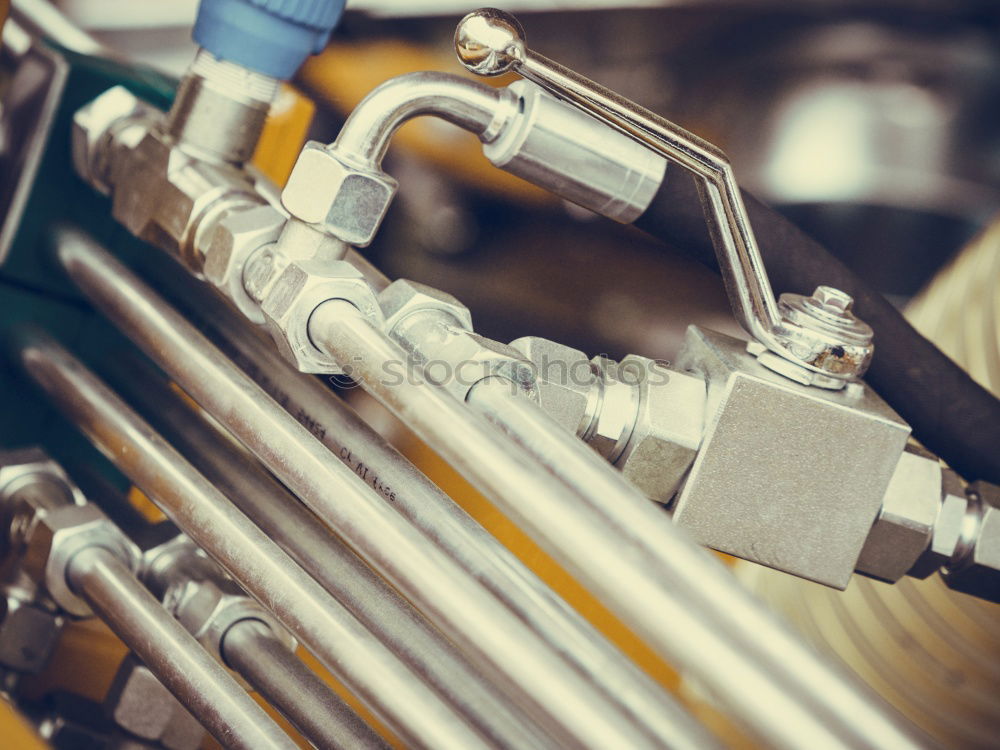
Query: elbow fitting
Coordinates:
[342,189]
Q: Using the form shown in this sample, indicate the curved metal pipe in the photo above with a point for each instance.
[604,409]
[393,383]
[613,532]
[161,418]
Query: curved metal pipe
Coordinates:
[369,128]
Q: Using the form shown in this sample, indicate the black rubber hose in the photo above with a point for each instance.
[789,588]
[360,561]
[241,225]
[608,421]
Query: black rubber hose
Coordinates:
[950,413]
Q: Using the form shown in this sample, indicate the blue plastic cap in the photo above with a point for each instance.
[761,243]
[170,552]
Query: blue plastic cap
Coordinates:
[273,37]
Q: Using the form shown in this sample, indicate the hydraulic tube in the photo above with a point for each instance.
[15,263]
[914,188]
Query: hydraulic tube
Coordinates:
[171,653]
[389,617]
[285,682]
[683,602]
[372,672]
[412,494]
[572,710]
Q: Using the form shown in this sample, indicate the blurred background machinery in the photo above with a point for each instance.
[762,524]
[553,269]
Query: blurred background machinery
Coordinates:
[870,125]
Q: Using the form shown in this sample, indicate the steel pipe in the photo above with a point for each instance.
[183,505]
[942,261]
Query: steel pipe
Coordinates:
[171,653]
[412,494]
[370,670]
[674,594]
[572,710]
[389,617]
[369,129]
[251,648]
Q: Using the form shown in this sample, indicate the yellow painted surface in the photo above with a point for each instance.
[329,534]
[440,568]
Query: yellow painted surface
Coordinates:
[284,133]
[15,732]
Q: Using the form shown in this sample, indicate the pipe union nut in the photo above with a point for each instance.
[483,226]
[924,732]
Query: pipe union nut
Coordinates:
[301,287]
[28,634]
[348,201]
[669,423]
[19,468]
[951,528]
[208,609]
[139,703]
[457,359]
[93,129]
[402,298]
[978,573]
[57,535]
[905,524]
[566,382]
[234,240]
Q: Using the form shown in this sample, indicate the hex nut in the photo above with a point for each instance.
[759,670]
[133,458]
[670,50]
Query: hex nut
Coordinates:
[26,465]
[904,527]
[56,535]
[144,709]
[978,573]
[457,359]
[567,385]
[138,702]
[93,128]
[612,424]
[298,290]
[209,608]
[235,239]
[669,423]
[949,528]
[28,634]
[403,298]
[349,201]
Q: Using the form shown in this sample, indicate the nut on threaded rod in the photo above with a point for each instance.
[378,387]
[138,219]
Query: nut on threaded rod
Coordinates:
[490,42]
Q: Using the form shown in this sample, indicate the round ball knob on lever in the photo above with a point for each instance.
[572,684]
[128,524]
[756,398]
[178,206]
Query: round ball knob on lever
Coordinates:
[489,42]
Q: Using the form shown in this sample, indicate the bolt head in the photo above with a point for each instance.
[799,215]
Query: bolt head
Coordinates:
[832,299]
[348,201]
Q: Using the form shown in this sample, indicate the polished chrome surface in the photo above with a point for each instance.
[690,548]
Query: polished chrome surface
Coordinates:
[171,653]
[412,494]
[522,664]
[251,648]
[492,42]
[390,618]
[555,145]
[684,603]
[373,673]
[371,125]
[688,607]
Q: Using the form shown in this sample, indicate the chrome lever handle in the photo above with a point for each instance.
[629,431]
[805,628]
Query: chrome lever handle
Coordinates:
[826,340]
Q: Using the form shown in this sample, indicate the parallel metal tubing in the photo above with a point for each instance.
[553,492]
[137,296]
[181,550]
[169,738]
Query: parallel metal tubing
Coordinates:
[674,594]
[205,688]
[291,525]
[296,691]
[499,643]
[371,671]
[413,495]
[770,676]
